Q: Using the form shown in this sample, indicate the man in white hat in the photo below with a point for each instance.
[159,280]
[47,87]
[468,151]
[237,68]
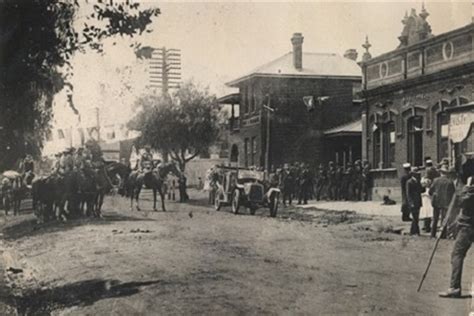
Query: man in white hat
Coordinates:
[431,172]
[403,182]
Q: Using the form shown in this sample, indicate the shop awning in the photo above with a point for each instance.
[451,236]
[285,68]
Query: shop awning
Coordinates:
[233,98]
[348,129]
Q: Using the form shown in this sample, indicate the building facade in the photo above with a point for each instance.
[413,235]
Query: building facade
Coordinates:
[283,108]
[417,97]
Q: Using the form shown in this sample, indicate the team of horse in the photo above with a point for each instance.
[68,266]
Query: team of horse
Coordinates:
[61,196]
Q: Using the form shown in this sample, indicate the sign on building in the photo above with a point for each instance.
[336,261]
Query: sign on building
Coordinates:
[460,125]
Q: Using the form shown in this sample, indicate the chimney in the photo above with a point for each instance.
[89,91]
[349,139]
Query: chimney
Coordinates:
[351,54]
[297,41]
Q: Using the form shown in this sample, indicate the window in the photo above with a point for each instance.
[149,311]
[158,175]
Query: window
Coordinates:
[246,152]
[245,100]
[377,144]
[250,99]
[224,150]
[61,134]
[253,157]
[49,135]
[204,154]
[389,144]
[415,140]
[443,136]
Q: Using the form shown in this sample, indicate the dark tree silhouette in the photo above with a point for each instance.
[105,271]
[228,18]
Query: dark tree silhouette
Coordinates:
[37,40]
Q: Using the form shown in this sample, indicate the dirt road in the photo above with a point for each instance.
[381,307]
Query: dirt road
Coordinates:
[194,260]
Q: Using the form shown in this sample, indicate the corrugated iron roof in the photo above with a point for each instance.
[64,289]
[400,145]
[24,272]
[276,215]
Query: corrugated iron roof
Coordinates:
[314,65]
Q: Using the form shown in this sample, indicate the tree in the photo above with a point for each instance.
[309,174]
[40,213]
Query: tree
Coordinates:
[182,125]
[39,38]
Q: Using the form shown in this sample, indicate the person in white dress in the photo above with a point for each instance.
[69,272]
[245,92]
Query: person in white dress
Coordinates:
[426,211]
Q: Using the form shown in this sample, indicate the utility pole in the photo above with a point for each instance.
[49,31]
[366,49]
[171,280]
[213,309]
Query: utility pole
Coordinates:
[97,119]
[269,110]
[165,69]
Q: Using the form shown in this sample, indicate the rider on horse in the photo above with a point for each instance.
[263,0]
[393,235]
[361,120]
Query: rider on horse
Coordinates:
[146,160]
[27,167]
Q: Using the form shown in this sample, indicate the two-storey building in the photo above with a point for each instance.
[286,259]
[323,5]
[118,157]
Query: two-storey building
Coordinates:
[419,100]
[284,107]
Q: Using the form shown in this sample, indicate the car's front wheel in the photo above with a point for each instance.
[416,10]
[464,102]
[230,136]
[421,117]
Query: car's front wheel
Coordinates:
[236,201]
[217,202]
[274,202]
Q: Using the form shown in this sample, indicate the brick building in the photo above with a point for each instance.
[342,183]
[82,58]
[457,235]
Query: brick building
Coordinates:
[419,101]
[301,95]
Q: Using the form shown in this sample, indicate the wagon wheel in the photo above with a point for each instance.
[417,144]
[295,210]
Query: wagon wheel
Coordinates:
[217,202]
[236,201]
[274,202]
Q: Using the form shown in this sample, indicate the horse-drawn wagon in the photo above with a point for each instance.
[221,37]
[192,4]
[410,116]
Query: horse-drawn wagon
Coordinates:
[240,187]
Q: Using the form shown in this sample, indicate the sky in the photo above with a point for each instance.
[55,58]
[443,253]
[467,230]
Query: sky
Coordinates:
[222,40]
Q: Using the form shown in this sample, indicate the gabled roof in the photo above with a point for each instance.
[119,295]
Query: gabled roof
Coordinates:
[315,65]
[348,129]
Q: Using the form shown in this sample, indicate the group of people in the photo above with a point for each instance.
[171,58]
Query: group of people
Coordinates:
[426,195]
[298,181]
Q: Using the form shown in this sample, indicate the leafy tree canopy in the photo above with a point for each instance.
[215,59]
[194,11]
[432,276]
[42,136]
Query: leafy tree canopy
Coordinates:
[182,125]
[38,39]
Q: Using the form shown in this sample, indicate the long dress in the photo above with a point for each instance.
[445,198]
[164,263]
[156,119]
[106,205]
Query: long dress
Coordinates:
[426,210]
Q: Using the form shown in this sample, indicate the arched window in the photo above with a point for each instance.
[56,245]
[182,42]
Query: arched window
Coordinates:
[415,140]
[246,152]
[443,137]
[376,145]
[389,144]
[234,153]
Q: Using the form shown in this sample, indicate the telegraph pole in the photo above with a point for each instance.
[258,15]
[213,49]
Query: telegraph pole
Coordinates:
[269,110]
[97,118]
[165,69]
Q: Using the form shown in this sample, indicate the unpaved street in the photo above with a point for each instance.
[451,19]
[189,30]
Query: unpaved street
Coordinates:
[194,260]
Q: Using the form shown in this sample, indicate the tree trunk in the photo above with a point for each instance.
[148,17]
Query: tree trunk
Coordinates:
[183,192]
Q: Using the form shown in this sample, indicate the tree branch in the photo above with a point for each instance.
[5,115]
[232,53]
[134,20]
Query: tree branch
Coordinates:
[174,155]
[191,157]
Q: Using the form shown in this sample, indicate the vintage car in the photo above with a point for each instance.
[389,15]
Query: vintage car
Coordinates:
[245,188]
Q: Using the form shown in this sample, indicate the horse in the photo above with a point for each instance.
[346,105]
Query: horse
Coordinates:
[123,171]
[44,197]
[13,191]
[104,185]
[94,183]
[88,192]
[153,179]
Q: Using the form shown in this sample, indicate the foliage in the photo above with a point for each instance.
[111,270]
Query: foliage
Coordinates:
[94,148]
[182,125]
[39,38]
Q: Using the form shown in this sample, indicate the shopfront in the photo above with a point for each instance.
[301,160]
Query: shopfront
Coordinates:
[461,136]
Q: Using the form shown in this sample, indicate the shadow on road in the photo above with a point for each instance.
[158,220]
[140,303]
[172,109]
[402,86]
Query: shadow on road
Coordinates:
[28,227]
[83,293]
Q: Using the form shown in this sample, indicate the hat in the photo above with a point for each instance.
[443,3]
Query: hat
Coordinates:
[429,162]
[406,165]
[415,170]
[445,169]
